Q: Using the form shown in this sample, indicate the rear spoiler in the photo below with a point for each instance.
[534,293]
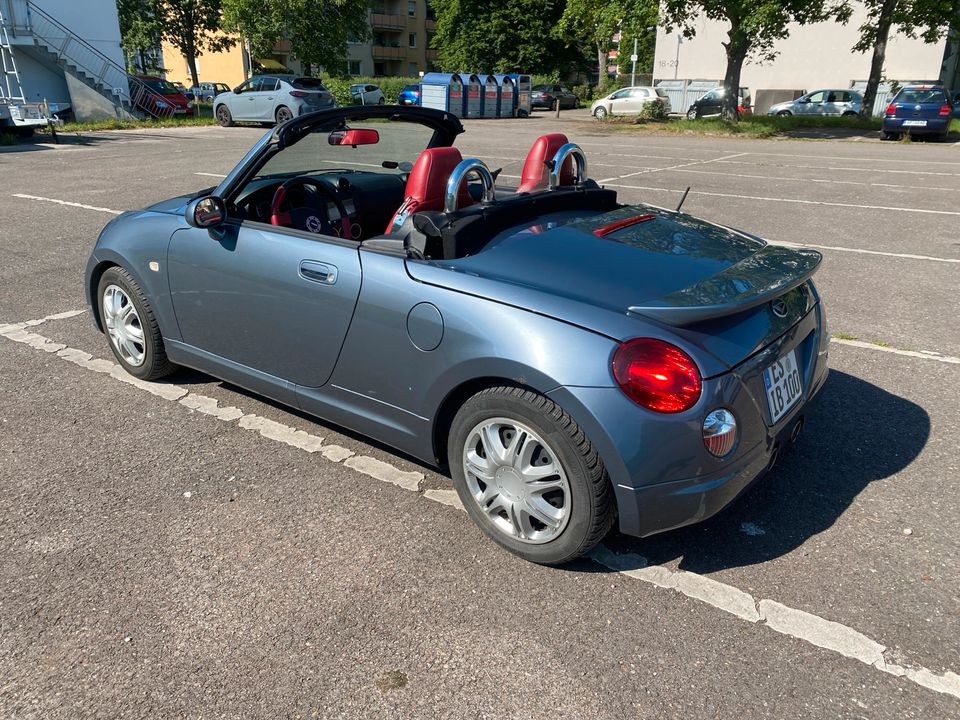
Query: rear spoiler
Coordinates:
[758,279]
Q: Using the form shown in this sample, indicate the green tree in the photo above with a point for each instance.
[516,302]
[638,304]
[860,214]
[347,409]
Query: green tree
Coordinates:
[318,30]
[193,27]
[483,36]
[754,26]
[140,30]
[927,19]
[595,22]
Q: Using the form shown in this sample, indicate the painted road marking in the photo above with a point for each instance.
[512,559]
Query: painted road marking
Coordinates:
[790,200]
[922,354]
[817,180]
[672,167]
[840,167]
[216,175]
[780,618]
[66,202]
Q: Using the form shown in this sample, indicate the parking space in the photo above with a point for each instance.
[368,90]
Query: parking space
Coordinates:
[189,549]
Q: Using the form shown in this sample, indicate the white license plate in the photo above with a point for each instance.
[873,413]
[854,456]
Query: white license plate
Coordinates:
[914,123]
[179,111]
[782,383]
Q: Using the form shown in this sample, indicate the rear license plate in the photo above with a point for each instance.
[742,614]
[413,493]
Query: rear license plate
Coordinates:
[782,383]
[179,111]
[915,123]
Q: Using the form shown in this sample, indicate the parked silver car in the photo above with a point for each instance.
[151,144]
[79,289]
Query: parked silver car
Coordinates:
[367,94]
[821,102]
[629,101]
[268,98]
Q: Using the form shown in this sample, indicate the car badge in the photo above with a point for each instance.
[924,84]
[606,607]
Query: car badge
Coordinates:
[313,224]
[916,107]
[779,308]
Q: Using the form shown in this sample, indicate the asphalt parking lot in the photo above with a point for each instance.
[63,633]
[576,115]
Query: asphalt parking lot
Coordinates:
[189,550]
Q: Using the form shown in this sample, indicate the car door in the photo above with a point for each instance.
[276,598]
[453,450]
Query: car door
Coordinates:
[832,103]
[638,98]
[241,104]
[274,300]
[266,98]
[811,104]
[620,102]
[712,103]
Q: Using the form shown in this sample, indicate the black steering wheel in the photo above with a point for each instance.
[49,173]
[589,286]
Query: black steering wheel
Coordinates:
[312,218]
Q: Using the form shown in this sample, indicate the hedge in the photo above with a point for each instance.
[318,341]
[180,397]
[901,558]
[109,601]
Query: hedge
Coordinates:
[391,86]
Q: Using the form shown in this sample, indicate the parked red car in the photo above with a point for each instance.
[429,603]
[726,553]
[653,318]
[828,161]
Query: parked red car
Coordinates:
[160,98]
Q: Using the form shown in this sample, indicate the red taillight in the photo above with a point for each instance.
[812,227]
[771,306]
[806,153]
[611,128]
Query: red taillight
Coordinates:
[657,375]
[740,109]
[298,93]
[944,109]
[891,109]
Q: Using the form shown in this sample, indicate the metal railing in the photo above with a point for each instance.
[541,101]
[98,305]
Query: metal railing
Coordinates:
[104,74]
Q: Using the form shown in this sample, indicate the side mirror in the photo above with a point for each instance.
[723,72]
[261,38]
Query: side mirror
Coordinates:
[206,212]
[238,89]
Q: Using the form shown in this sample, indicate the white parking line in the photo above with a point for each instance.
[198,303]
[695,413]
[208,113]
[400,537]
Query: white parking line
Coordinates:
[790,200]
[66,202]
[839,167]
[780,618]
[672,167]
[922,355]
[738,176]
[206,174]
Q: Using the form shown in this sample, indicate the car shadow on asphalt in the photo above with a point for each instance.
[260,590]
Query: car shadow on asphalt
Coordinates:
[855,433]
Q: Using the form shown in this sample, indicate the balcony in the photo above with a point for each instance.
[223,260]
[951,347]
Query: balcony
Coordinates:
[431,24]
[431,54]
[383,52]
[383,21]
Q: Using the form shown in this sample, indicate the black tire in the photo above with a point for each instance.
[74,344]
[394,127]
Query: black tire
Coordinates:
[784,113]
[591,505]
[889,135]
[381,101]
[283,114]
[692,114]
[155,364]
[224,117]
[600,113]
[849,113]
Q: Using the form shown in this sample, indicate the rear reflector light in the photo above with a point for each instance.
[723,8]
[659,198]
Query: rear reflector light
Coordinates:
[298,93]
[891,109]
[944,109]
[720,432]
[739,108]
[657,375]
[620,224]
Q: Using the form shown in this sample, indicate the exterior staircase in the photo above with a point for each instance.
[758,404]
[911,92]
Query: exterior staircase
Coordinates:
[56,45]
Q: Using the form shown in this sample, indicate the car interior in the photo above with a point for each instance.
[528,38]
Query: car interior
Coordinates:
[400,205]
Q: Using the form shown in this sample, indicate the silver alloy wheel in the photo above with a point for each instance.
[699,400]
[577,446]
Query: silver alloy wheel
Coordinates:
[123,325]
[600,113]
[283,114]
[517,480]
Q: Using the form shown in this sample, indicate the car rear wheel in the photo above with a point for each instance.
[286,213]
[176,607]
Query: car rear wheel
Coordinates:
[889,135]
[223,116]
[283,114]
[528,476]
[129,323]
[600,113]
[381,101]
[849,113]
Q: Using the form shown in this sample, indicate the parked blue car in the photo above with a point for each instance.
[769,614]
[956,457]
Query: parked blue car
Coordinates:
[918,110]
[410,95]
[573,361]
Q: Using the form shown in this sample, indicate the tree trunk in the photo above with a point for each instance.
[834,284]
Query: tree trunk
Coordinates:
[884,21]
[192,64]
[737,47]
[601,65]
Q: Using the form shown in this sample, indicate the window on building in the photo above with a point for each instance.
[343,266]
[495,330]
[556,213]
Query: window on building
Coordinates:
[412,8]
[412,70]
[412,40]
[353,67]
[379,69]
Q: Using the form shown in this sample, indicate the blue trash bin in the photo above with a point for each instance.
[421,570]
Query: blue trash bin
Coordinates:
[507,96]
[472,95]
[491,96]
[442,91]
[523,94]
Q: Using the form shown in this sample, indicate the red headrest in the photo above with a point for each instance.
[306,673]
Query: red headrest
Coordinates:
[427,183]
[535,172]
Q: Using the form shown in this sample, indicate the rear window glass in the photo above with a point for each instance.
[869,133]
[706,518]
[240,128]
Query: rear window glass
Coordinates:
[916,95]
[661,92]
[307,84]
[411,87]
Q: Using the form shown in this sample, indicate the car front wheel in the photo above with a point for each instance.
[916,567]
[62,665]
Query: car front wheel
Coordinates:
[784,113]
[600,113]
[528,476]
[692,114]
[129,323]
[224,117]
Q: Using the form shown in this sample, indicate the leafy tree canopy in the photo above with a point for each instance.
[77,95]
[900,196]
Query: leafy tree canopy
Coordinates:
[193,27]
[318,30]
[595,22]
[485,36]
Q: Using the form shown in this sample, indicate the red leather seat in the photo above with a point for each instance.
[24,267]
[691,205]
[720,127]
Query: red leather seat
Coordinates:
[535,174]
[427,184]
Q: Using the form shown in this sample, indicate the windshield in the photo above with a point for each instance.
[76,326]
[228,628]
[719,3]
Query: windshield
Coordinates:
[307,84]
[396,149]
[162,86]
[921,95]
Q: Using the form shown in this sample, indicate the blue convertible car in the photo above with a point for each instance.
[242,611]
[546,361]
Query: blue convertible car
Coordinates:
[575,362]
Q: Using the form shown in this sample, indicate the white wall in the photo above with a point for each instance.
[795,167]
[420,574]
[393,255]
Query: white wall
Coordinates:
[39,82]
[93,20]
[812,56]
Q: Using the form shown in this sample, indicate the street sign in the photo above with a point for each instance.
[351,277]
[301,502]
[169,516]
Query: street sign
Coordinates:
[633,58]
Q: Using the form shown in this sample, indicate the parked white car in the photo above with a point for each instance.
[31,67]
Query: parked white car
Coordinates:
[367,94]
[268,98]
[821,102]
[629,101]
